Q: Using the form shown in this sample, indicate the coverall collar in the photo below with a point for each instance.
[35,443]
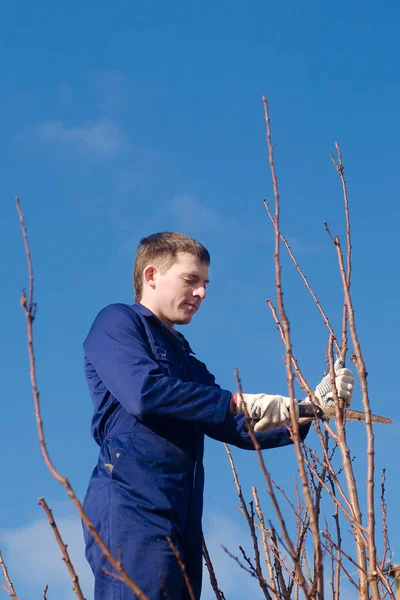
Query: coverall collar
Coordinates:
[146,312]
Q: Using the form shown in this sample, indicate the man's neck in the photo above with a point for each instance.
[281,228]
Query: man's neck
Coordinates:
[153,309]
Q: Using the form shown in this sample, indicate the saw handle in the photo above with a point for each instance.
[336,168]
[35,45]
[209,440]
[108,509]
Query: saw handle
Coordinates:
[310,410]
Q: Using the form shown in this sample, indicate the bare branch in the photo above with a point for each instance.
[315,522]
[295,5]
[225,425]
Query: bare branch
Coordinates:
[302,275]
[336,578]
[291,548]
[250,523]
[182,567]
[318,564]
[213,579]
[362,373]
[64,551]
[10,590]
[235,558]
[340,169]
[29,309]
[264,539]
[386,545]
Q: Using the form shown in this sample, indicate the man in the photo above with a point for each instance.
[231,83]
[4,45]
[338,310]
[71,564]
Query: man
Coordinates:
[153,404]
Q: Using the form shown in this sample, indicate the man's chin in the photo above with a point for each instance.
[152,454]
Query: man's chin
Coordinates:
[183,320]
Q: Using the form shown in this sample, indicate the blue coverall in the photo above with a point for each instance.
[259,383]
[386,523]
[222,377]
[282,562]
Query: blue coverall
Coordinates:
[153,403]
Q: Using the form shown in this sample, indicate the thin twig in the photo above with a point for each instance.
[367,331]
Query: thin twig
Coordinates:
[213,579]
[386,544]
[64,551]
[318,562]
[340,169]
[252,567]
[362,373]
[351,518]
[345,554]
[302,275]
[250,523]
[236,559]
[330,552]
[339,541]
[264,539]
[164,588]
[279,563]
[182,567]
[29,309]
[291,548]
[10,590]
[350,478]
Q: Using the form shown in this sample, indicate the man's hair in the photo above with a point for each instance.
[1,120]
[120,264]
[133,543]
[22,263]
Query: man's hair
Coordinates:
[161,249]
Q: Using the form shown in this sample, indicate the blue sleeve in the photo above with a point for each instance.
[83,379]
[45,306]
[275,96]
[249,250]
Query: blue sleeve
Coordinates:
[118,349]
[234,430]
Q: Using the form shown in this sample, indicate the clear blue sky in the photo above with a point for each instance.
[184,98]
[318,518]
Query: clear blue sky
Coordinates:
[119,120]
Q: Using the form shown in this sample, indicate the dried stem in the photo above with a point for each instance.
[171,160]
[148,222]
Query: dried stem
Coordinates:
[362,373]
[254,569]
[278,564]
[64,551]
[386,544]
[291,548]
[213,579]
[182,567]
[295,364]
[235,558]
[339,541]
[264,539]
[350,517]
[340,169]
[350,480]
[250,523]
[10,590]
[29,309]
[318,558]
[45,592]
[330,551]
[302,275]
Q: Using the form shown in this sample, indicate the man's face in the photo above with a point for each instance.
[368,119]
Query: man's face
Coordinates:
[178,293]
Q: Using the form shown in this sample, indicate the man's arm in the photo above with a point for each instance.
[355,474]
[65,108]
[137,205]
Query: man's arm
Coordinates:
[118,350]
[234,430]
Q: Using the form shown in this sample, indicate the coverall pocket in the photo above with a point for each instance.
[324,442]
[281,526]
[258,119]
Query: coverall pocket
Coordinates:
[155,478]
[169,364]
[144,453]
[112,452]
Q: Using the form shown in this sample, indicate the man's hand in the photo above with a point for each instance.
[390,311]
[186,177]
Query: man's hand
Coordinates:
[269,411]
[344,380]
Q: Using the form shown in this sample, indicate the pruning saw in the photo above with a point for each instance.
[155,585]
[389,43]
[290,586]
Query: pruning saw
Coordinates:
[311,410]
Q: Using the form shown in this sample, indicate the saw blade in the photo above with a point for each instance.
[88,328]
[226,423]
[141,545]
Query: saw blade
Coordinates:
[307,409]
[355,415]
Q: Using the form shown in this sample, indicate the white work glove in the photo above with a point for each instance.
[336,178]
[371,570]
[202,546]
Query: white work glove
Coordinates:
[269,411]
[344,380]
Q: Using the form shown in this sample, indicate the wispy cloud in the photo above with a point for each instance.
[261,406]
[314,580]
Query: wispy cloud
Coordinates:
[34,558]
[184,213]
[189,212]
[103,138]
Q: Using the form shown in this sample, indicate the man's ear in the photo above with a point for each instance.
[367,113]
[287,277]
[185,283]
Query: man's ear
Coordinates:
[149,276]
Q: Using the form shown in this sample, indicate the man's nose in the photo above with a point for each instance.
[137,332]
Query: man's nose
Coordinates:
[200,291]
